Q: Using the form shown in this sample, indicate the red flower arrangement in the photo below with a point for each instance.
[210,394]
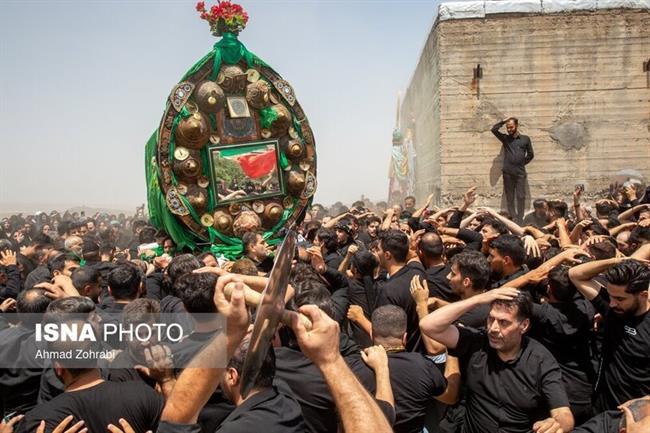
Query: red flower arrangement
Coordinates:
[224,17]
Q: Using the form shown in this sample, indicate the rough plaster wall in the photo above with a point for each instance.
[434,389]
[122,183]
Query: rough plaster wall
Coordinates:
[574,80]
[421,110]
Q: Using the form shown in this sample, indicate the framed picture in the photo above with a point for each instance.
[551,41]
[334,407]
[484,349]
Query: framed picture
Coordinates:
[245,172]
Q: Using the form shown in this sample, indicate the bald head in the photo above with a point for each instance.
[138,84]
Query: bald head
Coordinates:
[430,246]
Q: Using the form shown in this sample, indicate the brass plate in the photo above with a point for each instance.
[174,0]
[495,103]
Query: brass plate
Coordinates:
[234,208]
[214,139]
[305,165]
[287,202]
[258,207]
[252,75]
[181,153]
[207,220]
[203,182]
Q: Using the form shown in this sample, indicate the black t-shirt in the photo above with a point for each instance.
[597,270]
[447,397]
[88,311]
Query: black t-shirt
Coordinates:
[19,387]
[307,385]
[269,411]
[476,317]
[624,372]
[565,330]
[99,406]
[439,284]
[360,295]
[415,380]
[507,397]
[170,427]
[396,290]
[605,422]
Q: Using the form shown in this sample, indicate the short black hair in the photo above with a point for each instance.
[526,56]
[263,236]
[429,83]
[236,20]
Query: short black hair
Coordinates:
[510,246]
[248,239]
[181,265]
[141,310]
[396,243]
[630,273]
[560,284]
[83,276]
[388,321]
[70,304]
[539,203]
[496,224]
[475,266]
[327,237]
[197,292]
[431,245]
[639,235]
[57,263]
[605,249]
[32,301]
[522,301]
[313,293]
[364,262]
[558,206]
[265,374]
[124,281]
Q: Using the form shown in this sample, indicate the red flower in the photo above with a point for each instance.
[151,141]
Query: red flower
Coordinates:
[200,6]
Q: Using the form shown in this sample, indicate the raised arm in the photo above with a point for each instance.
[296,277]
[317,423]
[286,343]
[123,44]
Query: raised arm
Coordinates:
[358,410]
[582,276]
[418,213]
[515,228]
[495,130]
[420,294]
[439,324]
[196,383]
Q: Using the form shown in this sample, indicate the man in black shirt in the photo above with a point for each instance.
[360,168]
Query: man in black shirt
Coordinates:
[507,256]
[564,326]
[429,250]
[393,251]
[624,371]
[256,249]
[89,398]
[513,382]
[539,216]
[264,407]
[518,151]
[469,275]
[415,379]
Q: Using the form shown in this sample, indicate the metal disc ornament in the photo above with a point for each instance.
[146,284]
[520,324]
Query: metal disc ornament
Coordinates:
[233,136]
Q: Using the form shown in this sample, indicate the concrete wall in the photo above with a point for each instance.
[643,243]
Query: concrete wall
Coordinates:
[574,80]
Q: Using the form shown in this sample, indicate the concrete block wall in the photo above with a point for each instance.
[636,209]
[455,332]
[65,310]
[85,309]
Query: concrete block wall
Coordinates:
[575,80]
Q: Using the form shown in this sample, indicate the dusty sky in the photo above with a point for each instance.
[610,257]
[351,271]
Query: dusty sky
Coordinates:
[84,85]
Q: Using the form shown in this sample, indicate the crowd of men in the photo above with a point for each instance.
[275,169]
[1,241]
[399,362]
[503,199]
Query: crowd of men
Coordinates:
[449,320]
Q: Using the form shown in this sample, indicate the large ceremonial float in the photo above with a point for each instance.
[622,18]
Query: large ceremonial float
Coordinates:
[234,150]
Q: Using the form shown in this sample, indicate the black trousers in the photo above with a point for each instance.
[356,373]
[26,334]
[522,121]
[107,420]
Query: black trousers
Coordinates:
[514,186]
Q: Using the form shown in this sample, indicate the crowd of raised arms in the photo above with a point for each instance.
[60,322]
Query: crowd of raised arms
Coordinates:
[422,319]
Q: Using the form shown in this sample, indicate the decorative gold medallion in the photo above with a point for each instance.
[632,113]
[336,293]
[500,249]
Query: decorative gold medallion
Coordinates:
[207,220]
[181,153]
[214,139]
[252,75]
[203,182]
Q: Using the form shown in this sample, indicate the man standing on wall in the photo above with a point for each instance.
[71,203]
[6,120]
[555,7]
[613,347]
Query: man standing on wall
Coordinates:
[518,151]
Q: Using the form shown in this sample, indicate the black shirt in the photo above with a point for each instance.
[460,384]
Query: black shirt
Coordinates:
[605,422]
[439,284]
[99,406]
[507,397]
[415,380]
[521,271]
[624,371]
[518,151]
[365,297]
[307,384]
[531,219]
[565,330]
[268,411]
[396,291]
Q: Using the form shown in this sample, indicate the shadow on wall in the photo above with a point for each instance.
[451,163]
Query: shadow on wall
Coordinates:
[496,174]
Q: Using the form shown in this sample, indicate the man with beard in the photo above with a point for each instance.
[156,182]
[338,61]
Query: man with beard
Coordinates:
[507,256]
[256,249]
[469,276]
[372,229]
[513,382]
[624,371]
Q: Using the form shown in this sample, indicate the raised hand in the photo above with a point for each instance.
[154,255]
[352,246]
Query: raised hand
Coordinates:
[8,258]
[321,343]
[375,357]
[419,291]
